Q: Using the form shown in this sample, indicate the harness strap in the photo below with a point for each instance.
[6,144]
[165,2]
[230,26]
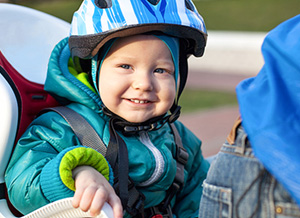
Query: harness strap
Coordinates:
[2,191]
[181,160]
[117,156]
[89,137]
[83,130]
[164,210]
[135,202]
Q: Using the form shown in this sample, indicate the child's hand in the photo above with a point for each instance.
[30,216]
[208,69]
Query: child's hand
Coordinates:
[93,190]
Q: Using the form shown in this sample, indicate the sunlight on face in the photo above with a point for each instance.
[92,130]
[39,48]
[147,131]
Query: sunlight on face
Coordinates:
[136,78]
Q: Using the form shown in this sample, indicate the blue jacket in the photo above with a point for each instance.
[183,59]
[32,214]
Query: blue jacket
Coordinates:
[270,106]
[35,177]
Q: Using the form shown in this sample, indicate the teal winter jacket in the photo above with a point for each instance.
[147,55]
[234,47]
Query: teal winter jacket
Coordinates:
[40,170]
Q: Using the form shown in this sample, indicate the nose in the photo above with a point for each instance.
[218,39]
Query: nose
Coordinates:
[143,80]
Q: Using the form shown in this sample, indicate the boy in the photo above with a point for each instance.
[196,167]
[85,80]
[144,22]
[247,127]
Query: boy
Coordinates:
[123,83]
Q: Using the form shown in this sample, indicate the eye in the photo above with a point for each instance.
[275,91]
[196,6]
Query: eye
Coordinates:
[159,70]
[125,66]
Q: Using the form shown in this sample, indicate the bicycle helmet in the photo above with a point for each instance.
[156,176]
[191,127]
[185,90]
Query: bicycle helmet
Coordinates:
[98,21]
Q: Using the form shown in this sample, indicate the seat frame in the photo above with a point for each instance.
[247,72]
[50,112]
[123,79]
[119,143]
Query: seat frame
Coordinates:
[25,48]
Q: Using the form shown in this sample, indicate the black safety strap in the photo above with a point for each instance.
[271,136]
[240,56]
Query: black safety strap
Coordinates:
[2,191]
[112,148]
[117,156]
[83,130]
[89,137]
[181,157]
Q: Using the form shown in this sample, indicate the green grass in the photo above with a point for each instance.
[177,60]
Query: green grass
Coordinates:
[62,9]
[193,99]
[249,15]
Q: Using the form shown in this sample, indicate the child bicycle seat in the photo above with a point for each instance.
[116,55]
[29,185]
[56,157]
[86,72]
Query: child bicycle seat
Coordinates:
[27,39]
[12,125]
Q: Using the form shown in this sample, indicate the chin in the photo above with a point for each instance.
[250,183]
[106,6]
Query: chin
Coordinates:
[136,120]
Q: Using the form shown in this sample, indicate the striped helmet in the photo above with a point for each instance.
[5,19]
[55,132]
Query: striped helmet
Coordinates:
[98,21]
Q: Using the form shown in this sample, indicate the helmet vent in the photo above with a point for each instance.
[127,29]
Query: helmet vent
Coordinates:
[189,5]
[154,2]
[103,3]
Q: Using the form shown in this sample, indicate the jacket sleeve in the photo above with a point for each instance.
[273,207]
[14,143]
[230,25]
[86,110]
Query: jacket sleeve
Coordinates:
[40,170]
[188,199]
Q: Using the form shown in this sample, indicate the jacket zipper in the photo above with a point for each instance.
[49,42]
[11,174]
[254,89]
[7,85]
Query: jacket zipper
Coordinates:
[159,160]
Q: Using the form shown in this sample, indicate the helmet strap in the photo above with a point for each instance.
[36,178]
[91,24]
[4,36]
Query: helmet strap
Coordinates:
[183,74]
[149,125]
[183,69]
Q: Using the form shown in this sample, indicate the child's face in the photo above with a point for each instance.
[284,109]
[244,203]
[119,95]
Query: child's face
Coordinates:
[136,78]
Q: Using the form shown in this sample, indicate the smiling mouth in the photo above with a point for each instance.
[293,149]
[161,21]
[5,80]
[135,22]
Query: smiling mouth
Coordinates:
[139,101]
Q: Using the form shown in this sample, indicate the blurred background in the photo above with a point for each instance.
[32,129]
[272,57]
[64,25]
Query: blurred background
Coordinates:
[241,15]
[236,29]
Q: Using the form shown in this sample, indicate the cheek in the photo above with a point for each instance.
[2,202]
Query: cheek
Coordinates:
[106,82]
[106,88]
[110,89]
[169,93]
[171,97]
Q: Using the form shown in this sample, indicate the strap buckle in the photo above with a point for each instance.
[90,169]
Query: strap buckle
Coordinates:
[170,194]
[137,207]
[157,212]
[135,203]
[181,155]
